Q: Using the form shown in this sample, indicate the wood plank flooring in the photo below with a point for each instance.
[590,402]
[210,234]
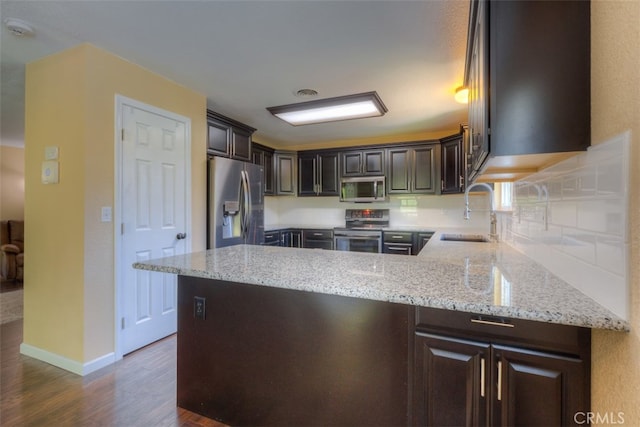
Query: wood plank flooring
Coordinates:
[139,390]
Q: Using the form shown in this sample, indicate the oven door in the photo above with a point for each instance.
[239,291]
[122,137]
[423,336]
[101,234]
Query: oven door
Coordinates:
[358,243]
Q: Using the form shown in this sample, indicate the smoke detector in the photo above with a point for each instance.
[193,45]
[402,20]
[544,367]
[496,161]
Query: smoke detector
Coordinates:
[18,27]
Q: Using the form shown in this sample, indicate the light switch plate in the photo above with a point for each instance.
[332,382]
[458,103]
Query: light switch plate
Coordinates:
[51,153]
[50,172]
[105,214]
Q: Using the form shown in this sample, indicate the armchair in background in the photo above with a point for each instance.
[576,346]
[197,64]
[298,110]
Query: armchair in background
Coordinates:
[12,250]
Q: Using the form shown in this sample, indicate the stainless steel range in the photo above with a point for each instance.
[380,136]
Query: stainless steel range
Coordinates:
[362,231]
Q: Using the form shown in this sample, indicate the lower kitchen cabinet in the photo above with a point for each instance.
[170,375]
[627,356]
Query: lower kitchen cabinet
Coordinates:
[317,239]
[397,242]
[271,238]
[498,372]
[291,238]
[451,377]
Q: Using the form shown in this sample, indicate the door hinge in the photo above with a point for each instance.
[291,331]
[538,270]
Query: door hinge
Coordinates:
[122,323]
[122,134]
[122,228]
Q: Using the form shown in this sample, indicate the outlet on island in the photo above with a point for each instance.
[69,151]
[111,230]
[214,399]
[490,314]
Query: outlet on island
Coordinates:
[199,307]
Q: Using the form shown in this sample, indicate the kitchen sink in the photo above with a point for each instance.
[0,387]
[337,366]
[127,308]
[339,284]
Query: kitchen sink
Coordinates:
[464,238]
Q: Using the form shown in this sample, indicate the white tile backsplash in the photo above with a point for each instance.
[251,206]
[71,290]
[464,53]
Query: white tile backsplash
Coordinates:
[572,218]
[405,210]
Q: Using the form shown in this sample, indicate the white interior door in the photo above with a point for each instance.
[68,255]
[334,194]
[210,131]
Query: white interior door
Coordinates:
[153,212]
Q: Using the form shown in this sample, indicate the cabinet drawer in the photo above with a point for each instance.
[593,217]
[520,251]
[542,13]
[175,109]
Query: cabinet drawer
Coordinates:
[398,248]
[527,333]
[272,238]
[397,237]
[318,234]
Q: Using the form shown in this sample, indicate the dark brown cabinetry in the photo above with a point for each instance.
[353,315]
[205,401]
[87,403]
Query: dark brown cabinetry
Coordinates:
[362,162]
[422,238]
[475,370]
[452,164]
[398,242]
[317,239]
[285,173]
[291,238]
[271,238]
[263,156]
[528,73]
[318,173]
[404,242]
[413,169]
[228,138]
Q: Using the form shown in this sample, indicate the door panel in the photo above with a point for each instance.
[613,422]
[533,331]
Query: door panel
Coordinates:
[534,388]
[449,388]
[153,209]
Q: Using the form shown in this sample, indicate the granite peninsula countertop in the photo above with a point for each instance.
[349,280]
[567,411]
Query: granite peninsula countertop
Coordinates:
[483,278]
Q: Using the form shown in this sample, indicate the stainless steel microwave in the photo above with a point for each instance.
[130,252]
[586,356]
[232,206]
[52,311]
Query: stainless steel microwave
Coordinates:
[363,189]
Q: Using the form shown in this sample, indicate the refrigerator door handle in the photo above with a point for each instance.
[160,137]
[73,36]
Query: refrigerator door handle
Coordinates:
[246,208]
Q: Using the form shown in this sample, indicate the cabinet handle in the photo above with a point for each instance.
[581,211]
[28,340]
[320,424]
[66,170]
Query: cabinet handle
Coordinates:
[499,380]
[461,182]
[317,234]
[499,322]
[396,237]
[482,378]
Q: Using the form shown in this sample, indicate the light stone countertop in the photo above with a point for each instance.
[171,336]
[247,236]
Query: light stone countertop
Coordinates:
[483,278]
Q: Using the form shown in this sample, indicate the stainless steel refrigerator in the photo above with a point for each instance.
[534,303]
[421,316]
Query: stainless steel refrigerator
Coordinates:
[235,203]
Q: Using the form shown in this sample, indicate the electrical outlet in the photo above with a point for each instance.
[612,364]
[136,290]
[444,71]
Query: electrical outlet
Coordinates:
[199,307]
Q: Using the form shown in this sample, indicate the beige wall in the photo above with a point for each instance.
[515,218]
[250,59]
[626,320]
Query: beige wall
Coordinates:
[615,108]
[11,182]
[70,103]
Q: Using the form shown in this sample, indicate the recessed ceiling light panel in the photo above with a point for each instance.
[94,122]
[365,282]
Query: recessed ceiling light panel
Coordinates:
[346,107]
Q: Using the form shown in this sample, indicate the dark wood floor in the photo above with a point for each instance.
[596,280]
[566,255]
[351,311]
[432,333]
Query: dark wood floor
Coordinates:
[136,391]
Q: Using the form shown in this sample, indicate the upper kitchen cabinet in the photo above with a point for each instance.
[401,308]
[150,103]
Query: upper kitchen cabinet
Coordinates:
[362,162]
[264,156]
[285,173]
[452,164]
[528,74]
[413,169]
[228,138]
[318,173]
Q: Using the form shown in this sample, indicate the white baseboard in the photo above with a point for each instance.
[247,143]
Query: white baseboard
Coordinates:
[66,363]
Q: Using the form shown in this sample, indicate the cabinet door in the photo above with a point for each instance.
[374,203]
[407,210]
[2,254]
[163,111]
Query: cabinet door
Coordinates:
[352,163]
[328,181]
[285,174]
[452,167]
[422,239]
[307,175]
[269,176]
[218,143]
[240,144]
[424,170]
[398,170]
[373,162]
[450,382]
[535,388]
[478,82]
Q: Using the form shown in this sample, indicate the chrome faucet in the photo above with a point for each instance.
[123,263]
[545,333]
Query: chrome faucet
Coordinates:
[493,235]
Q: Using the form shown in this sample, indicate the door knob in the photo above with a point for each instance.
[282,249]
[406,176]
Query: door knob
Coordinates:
[181,236]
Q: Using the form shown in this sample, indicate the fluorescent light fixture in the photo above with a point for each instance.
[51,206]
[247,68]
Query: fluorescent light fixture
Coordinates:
[346,107]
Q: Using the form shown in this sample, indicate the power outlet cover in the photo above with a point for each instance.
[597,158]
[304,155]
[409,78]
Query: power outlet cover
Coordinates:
[199,308]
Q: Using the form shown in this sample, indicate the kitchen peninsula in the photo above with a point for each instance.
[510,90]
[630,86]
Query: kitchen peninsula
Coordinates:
[282,336]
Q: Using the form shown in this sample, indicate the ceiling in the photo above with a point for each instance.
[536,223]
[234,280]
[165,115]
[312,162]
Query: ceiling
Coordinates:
[249,55]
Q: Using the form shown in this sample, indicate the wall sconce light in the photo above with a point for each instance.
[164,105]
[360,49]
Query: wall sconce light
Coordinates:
[462,95]
[346,107]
